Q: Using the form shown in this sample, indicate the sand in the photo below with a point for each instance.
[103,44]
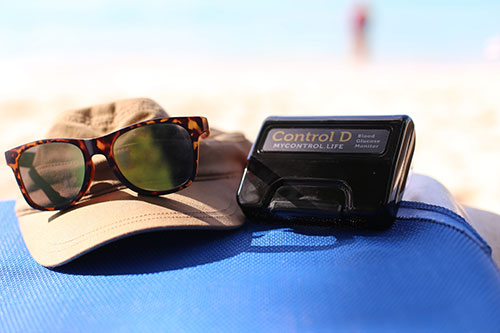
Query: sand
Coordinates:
[456,108]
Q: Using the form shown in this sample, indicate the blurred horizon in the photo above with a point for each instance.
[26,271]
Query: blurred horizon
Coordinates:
[429,31]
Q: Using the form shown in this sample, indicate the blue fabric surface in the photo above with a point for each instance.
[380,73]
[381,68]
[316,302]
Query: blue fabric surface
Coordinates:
[430,271]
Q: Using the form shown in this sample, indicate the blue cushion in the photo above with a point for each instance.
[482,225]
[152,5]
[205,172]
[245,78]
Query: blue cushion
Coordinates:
[431,271]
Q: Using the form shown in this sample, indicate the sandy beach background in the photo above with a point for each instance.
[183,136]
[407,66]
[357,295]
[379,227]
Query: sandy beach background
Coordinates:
[456,107]
[238,62]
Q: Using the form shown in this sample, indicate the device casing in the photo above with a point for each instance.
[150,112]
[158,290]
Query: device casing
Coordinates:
[357,188]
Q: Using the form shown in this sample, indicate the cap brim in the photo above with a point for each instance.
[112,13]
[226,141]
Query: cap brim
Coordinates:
[55,238]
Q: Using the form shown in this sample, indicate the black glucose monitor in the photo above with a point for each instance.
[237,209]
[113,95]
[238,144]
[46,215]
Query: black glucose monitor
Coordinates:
[348,171]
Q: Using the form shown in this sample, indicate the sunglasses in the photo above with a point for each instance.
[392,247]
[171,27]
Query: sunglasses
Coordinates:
[153,157]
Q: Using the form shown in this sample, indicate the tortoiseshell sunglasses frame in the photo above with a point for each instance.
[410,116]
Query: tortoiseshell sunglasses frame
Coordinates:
[195,126]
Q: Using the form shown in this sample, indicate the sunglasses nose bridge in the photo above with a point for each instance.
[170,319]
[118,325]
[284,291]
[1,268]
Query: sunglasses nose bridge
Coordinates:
[102,146]
[100,152]
[97,146]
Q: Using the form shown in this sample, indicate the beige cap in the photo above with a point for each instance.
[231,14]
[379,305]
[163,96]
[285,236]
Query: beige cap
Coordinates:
[110,211]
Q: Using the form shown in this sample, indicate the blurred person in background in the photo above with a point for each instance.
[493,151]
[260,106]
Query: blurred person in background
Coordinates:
[359,22]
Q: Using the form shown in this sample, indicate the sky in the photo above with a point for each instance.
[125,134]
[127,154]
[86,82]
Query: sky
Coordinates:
[455,31]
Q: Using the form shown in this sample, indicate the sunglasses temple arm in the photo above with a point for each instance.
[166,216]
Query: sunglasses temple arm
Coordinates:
[52,194]
[205,129]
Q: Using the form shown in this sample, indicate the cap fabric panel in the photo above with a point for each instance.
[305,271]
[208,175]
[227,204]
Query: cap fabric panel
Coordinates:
[101,119]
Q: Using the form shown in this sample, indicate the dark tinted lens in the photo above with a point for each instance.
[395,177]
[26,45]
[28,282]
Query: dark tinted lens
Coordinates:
[157,157]
[52,173]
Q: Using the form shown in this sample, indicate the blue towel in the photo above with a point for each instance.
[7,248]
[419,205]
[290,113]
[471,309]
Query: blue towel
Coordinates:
[431,271]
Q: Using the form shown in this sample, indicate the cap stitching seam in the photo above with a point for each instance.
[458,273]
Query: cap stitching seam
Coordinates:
[113,227]
[153,216]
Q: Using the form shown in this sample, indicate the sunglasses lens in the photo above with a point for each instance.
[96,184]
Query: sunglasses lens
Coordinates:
[52,173]
[156,157]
